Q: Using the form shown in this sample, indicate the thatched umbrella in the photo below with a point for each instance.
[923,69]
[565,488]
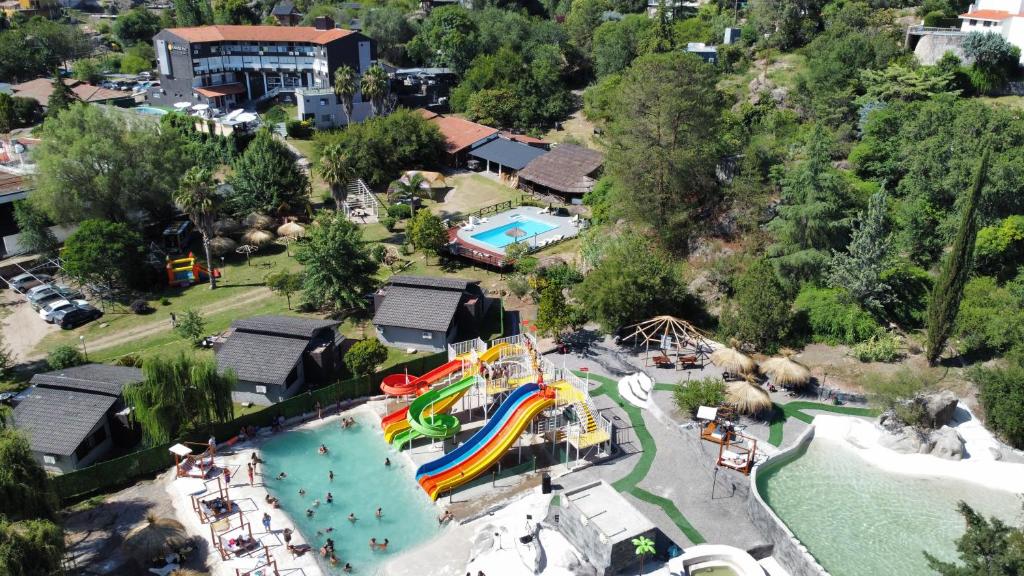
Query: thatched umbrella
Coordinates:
[291,229]
[733,361]
[227,227]
[259,238]
[157,537]
[221,246]
[260,221]
[747,398]
[786,373]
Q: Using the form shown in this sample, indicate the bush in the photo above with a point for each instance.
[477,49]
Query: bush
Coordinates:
[909,287]
[140,306]
[191,326]
[400,211]
[408,249]
[689,396]
[298,128]
[833,317]
[990,319]
[878,348]
[893,392]
[132,360]
[165,301]
[379,252]
[389,222]
[65,356]
[1002,397]
[519,285]
[364,356]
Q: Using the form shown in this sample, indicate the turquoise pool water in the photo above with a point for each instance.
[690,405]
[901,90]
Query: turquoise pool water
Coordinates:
[361,484]
[150,111]
[856,519]
[499,237]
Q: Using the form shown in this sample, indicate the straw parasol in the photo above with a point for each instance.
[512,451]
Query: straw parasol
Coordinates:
[221,246]
[733,361]
[227,227]
[156,537]
[747,398]
[291,229]
[257,237]
[260,221]
[786,372]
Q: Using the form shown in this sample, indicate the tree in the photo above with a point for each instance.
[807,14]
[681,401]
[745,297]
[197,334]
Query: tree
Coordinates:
[191,325]
[24,490]
[338,266]
[30,547]
[192,13]
[786,24]
[64,356]
[136,25]
[346,84]
[390,28]
[859,269]
[91,165]
[949,288]
[988,547]
[104,254]
[583,19]
[375,86]
[663,144]
[994,59]
[266,178]
[337,170]
[87,70]
[617,43]
[427,233]
[644,546]
[177,395]
[365,356]
[447,38]
[18,112]
[286,283]
[898,82]
[761,315]
[999,249]
[35,235]
[554,314]
[198,198]
[61,98]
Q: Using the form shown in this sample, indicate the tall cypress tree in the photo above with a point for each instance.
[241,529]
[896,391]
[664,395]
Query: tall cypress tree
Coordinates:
[949,288]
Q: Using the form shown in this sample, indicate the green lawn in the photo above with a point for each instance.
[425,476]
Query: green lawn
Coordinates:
[471,193]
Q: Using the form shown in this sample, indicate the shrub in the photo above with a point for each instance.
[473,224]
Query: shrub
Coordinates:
[364,356]
[408,249]
[191,326]
[696,393]
[878,348]
[132,360]
[389,222]
[909,286]
[379,252]
[990,319]
[893,392]
[834,318]
[65,356]
[519,285]
[1002,397]
[140,306]
[298,128]
[400,211]
[165,301]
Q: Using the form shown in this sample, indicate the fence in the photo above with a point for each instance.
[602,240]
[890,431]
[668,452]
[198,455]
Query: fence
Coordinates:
[123,470]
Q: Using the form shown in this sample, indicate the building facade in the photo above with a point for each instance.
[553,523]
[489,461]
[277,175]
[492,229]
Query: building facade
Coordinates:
[229,66]
[1003,17]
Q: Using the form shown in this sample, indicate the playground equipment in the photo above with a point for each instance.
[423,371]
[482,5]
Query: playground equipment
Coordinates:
[187,271]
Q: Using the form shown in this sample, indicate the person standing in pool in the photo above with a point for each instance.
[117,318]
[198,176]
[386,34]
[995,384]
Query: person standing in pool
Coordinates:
[352,517]
[330,475]
[387,461]
[380,513]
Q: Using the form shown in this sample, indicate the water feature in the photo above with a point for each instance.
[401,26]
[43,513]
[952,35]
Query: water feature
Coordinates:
[520,229]
[858,519]
[361,483]
[150,111]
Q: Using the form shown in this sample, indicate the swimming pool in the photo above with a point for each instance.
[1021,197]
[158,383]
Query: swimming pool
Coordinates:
[150,110]
[361,484]
[521,229]
[856,519]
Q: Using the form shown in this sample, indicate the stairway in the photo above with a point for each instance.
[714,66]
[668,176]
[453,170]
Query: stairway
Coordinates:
[361,200]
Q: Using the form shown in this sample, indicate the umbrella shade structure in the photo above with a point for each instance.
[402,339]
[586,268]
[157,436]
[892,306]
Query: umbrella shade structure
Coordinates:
[157,537]
[291,229]
[786,373]
[515,232]
[260,221]
[182,105]
[747,398]
[733,361]
[430,179]
[227,227]
[671,335]
[259,238]
[221,246]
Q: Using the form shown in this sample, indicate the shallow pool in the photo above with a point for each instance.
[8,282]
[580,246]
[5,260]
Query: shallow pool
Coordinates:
[521,229]
[361,484]
[150,111]
[857,519]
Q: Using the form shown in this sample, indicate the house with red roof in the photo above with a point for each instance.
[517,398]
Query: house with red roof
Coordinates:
[1003,17]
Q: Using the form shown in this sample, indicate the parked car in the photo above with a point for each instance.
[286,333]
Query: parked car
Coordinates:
[47,312]
[35,290]
[75,317]
[51,295]
[22,281]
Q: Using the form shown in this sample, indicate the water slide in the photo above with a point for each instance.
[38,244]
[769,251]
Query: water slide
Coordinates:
[427,415]
[489,444]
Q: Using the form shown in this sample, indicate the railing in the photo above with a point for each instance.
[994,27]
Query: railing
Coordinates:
[920,29]
[459,348]
[367,200]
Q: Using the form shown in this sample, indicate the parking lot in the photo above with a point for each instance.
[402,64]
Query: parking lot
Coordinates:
[33,304]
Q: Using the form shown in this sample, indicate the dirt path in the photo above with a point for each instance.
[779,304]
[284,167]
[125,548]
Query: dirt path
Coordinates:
[22,327]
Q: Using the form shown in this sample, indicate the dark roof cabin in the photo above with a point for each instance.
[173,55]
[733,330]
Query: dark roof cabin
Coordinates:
[568,171]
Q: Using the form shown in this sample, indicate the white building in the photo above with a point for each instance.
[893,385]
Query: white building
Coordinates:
[1003,17]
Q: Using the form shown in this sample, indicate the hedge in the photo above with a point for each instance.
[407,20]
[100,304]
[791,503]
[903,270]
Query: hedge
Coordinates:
[126,469]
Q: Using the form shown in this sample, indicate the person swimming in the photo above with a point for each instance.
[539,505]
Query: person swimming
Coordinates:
[380,513]
[282,476]
[387,461]
[322,449]
[352,517]
[330,498]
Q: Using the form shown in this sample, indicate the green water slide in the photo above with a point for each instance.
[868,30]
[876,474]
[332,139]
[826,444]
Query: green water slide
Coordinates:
[428,413]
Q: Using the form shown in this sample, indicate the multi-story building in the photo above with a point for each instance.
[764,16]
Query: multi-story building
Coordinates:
[229,66]
[1003,17]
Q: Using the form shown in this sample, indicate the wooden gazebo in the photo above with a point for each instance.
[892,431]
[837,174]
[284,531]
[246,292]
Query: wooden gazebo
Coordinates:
[671,337]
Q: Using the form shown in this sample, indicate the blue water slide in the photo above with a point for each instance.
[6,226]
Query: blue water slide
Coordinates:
[482,436]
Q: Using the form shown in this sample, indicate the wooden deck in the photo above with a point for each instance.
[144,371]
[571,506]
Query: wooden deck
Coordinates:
[472,252]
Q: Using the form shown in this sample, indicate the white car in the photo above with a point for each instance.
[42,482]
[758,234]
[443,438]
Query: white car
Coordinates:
[47,312]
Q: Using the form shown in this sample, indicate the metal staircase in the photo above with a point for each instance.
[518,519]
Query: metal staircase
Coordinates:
[361,200]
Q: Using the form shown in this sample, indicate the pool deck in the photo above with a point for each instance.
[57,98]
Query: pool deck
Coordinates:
[563,228]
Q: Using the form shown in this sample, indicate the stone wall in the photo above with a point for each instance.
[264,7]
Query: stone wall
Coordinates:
[931,47]
[788,550]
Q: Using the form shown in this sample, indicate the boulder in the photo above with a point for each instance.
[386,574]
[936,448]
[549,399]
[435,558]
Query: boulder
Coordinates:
[938,407]
[907,440]
[890,421]
[948,444]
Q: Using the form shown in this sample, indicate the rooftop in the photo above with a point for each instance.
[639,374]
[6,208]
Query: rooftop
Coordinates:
[419,308]
[221,90]
[987,15]
[13,187]
[284,8]
[101,379]
[291,326]
[458,133]
[236,33]
[507,153]
[567,168]
[431,282]
[608,511]
[56,420]
[260,358]
[41,88]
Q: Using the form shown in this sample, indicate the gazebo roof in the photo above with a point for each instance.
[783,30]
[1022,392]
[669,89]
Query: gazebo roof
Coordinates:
[658,328]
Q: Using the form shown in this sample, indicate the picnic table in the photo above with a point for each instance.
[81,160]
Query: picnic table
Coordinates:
[663,361]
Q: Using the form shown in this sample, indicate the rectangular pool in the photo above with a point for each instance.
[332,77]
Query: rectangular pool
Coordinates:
[361,484]
[521,229]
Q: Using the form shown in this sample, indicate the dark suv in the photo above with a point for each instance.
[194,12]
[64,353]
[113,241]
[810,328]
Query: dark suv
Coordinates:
[75,317]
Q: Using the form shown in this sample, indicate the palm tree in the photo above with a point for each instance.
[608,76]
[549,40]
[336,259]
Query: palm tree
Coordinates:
[197,197]
[346,84]
[644,546]
[337,170]
[375,87]
[411,189]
